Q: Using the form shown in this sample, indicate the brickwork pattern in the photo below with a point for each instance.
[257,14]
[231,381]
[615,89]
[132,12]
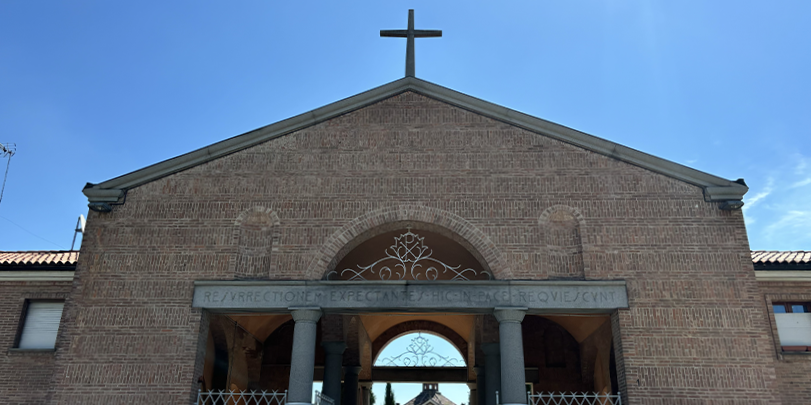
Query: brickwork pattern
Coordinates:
[24,375]
[411,159]
[564,247]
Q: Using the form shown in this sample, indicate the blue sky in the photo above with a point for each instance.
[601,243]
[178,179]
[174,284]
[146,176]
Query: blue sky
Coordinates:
[90,90]
[458,393]
[403,392]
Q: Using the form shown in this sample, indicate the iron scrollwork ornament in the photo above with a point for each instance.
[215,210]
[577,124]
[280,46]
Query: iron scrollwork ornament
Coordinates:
[408,256]
[420,353]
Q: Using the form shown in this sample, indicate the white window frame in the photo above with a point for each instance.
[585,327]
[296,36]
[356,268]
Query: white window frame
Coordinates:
[31,336]
[793,329]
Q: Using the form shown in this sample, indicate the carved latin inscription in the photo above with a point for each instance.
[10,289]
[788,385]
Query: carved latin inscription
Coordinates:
[370,297]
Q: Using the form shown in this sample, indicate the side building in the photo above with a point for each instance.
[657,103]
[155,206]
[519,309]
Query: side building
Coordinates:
[33,288]
[784,279]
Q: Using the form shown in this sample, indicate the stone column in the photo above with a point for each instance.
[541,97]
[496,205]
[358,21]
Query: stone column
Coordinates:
[351,385]
[492,372]
[333,365]
[513,374]
[365,393]
[302,363]
[480,387]
[473,399]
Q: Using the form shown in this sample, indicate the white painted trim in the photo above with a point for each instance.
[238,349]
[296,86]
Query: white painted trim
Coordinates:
[715,188]
[36,276]
[783,276]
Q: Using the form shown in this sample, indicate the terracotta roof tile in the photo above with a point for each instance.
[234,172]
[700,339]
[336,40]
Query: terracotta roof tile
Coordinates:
[39,258]
[781,257]
[70,257]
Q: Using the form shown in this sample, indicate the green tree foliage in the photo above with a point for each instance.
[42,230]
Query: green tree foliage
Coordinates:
[372,397]
[389,400]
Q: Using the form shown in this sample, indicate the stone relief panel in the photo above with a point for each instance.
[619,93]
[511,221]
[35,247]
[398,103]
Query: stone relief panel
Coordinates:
[257,234]
[563,258]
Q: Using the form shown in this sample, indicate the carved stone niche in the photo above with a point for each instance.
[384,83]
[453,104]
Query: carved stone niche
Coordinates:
[257,235]
[406,254]
[564,247]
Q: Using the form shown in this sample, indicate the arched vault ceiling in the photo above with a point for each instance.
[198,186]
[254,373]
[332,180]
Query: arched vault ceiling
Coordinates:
[580,326]
[377,324]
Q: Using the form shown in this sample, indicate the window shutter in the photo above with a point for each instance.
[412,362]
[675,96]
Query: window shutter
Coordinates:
[41,325]
[794,329]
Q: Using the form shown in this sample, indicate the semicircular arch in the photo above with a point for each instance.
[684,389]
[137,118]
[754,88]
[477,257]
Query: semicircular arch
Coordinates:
[404,328]
[417,217]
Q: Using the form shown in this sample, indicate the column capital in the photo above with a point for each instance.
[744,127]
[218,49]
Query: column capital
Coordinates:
[491,349]
[354,370]
[509,314]
[307,314]
[336,347]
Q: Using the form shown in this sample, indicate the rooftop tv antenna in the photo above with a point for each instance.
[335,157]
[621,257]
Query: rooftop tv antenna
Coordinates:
[79,229]
[6,150]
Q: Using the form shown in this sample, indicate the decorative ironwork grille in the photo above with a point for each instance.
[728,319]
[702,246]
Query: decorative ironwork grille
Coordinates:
[420,353]
[409,257]
[249,397]
[321,399]
[574,398]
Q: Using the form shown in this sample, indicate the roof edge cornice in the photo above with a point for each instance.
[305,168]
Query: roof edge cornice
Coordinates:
[715,188]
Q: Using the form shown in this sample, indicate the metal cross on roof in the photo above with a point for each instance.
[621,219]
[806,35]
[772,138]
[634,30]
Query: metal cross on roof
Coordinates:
[410,34]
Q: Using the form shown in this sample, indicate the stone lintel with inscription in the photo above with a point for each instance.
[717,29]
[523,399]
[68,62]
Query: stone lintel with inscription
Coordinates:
[423,296]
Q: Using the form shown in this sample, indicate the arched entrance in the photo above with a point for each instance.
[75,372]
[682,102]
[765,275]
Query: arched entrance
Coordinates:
[514,336]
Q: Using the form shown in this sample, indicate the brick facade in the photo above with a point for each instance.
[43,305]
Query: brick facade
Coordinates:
[528,206]
[25,375]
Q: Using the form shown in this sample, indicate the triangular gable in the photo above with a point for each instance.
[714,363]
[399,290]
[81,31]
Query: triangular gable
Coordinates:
[715,188]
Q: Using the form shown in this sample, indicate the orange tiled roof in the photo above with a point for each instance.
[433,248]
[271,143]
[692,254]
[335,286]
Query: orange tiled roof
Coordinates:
[781,257]
[40,258]
[70,257]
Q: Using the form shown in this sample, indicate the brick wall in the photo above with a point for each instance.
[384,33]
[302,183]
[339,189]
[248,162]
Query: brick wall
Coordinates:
[414,159]
[24,375]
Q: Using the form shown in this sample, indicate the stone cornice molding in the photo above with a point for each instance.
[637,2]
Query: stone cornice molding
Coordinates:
[715,188]
[788,275]
[36,276]
[428,296]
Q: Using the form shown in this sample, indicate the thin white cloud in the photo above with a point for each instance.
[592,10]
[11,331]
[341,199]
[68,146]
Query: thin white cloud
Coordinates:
[791,222]
[759,196]
[800,169]
[801,183]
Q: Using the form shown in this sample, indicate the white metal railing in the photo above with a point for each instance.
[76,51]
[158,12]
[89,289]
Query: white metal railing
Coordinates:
[321,399]
[574,398]
[248,397]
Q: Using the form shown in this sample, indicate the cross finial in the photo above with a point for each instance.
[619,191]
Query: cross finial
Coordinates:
[410,34]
